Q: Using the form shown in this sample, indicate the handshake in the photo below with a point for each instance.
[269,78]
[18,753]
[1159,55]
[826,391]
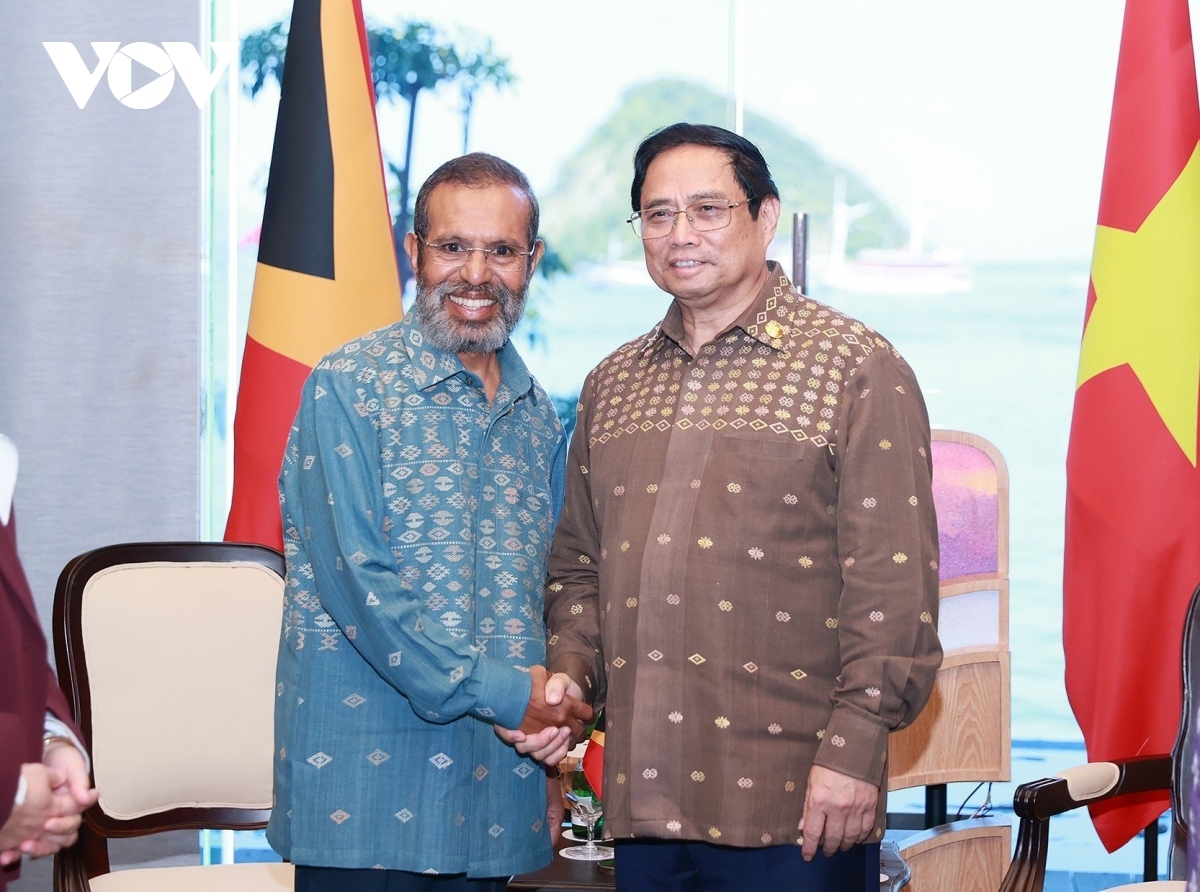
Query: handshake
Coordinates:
[555,719]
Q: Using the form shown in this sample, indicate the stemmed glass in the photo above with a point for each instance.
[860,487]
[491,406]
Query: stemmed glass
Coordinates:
[588,812]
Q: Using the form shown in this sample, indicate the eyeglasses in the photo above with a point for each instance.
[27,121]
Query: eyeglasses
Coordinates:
[457,254]
[705,216]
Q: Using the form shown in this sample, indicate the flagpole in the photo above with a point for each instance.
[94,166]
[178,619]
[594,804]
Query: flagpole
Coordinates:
[736,93]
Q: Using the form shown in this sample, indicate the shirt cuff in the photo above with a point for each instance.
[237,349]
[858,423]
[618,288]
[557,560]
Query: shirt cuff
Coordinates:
[503,693]
[579,671]
[55,727]
[854,744]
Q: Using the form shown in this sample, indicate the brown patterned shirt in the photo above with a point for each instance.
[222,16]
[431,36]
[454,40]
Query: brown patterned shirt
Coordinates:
[746,567]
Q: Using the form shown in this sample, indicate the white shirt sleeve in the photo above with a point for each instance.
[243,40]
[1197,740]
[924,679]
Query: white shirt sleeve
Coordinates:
[58,728]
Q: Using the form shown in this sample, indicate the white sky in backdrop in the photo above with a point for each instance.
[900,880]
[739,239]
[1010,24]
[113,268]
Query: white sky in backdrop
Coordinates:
[994,116]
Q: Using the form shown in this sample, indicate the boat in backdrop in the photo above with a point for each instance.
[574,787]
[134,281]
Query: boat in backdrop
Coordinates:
[624,264]
[911,270]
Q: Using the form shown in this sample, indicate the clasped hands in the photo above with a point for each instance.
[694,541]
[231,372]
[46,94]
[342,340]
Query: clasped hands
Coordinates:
[839,810]
[554,721]
[57,793]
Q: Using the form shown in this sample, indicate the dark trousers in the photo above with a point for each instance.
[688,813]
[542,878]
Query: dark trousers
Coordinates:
[342,879]
[662,866]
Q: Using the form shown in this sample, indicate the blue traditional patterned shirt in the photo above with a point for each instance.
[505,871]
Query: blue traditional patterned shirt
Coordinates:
[417,522]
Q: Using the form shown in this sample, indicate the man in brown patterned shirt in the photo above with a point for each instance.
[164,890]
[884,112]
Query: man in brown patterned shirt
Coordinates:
[745,573]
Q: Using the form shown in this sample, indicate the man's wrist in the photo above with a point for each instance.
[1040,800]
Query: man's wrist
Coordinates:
[502,692]
[51,740]
[580,673]
[56,727]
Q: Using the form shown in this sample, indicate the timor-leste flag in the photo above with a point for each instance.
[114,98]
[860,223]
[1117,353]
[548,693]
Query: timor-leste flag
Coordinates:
[1133,490]
[326,260]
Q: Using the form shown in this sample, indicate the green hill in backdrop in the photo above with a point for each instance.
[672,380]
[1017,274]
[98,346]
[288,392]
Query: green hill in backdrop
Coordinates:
[584,213]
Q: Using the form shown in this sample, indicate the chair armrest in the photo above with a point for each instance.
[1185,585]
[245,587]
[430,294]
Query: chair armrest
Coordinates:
[1038,801]
[1092,782]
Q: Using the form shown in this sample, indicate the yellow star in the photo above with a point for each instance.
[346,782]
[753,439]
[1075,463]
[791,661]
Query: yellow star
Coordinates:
[1147,310]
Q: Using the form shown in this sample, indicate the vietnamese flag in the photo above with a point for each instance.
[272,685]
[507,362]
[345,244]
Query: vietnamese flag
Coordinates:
[593,762]
[1133,491]
[326,259]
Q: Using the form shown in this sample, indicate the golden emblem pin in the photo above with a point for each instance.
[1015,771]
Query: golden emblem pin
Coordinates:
[774,329]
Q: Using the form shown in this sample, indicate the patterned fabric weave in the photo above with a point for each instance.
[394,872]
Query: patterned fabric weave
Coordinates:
[749,547]
[417,520]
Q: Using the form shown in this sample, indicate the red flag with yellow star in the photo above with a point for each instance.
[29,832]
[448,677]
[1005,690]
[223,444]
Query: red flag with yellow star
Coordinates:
[593,762]
[1133,490]
[326,260]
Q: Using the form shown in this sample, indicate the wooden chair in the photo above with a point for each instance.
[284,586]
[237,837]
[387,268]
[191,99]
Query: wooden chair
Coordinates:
[166,652]
[960,856]
[964,732]
[1038,801]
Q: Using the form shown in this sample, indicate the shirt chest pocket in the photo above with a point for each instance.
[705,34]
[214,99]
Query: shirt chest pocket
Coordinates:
[755,446]
[523,454]
[518,469]
[765,481]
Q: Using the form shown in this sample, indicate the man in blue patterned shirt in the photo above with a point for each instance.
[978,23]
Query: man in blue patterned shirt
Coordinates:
[420,489]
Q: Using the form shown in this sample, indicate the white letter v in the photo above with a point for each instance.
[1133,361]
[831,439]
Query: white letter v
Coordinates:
[192,70]
[73,71]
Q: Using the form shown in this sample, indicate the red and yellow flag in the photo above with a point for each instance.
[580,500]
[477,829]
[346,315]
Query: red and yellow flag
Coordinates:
[593,762]
[326,260]
[1133,490]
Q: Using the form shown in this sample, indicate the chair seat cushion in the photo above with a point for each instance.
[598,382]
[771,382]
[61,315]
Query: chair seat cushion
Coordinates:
[257,877]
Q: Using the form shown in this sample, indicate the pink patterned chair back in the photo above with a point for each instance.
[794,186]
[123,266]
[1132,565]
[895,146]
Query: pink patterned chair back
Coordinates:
[964,733]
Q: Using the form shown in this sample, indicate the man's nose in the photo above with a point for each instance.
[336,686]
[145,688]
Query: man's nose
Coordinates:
[476,269]
[683,232]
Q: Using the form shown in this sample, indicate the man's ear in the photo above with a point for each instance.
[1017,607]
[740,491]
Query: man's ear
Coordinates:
[768,217]
[539,248]
[411,247]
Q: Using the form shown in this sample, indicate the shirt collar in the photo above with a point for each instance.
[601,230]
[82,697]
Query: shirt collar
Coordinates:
[431,365]
[768,319]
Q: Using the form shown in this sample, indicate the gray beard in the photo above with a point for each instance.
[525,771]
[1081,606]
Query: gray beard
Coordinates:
[460,336]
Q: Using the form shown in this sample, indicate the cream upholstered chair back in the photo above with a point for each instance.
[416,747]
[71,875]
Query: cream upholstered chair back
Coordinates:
[167,654]
[181,677]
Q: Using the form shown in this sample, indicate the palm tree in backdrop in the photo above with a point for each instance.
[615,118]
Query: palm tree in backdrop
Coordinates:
[406,59]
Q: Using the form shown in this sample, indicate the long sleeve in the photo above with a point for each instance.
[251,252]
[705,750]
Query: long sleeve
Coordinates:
[10,763]
[558,479]
[888,550]
[334,513]
[56,702]
[572,590]
[418,514]
[29,687]
[749,542]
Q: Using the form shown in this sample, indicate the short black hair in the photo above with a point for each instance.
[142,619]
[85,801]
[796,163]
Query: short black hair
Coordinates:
[749,166]
[476,170]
